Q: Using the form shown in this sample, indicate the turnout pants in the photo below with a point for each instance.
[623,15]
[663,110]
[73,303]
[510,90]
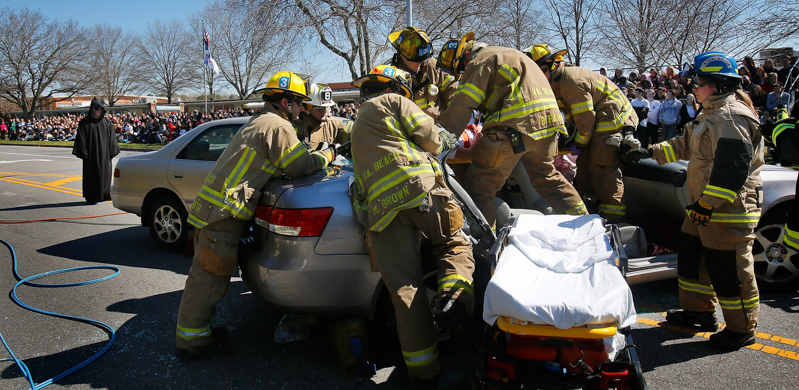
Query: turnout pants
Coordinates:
[599,173]
[215,257]
[715,263]
[493,160]
[397,257]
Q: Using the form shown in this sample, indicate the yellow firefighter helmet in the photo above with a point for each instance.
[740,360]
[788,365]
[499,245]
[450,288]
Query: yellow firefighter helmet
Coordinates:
[390,75]
[285,82]
[412,43]
[450,56]
[542,54]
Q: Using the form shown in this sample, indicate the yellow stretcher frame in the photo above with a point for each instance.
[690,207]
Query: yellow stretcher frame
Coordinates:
[524,328]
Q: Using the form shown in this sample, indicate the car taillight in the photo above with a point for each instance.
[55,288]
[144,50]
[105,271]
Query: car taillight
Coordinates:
[116,172]
[293,222]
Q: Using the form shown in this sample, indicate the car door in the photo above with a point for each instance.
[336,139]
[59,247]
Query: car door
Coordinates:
[187,171]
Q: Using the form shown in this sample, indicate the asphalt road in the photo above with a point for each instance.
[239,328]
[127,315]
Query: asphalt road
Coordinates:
[142,304]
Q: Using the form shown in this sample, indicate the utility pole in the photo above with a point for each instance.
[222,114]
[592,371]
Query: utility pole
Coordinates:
[409,15]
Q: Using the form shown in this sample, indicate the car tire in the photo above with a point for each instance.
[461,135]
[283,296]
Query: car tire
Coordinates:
[776,266]
[168,223]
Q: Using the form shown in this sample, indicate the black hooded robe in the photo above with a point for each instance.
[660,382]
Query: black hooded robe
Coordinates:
[96,144]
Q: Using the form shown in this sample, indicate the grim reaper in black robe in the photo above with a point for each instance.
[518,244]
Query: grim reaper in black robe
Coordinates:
[96,144]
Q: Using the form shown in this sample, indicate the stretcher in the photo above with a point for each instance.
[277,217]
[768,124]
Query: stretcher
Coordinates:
[558,309]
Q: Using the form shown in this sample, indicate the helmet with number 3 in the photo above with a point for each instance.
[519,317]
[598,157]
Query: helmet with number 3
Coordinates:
[452,53]
[285,82]
[321,95]
[390,75]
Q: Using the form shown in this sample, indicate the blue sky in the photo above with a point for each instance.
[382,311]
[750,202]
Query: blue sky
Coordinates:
[133,16]
[129,15]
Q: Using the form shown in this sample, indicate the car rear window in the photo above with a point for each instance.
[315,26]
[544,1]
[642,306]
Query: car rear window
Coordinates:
[209,145]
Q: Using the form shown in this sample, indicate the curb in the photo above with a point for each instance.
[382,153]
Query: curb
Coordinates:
[69,146]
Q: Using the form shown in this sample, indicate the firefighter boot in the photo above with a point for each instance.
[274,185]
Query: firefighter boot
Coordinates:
[729,341]
[453,319]
[218,347]
[702,320]
[427,384]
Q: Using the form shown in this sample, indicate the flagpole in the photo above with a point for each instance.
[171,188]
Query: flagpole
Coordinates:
[205,69]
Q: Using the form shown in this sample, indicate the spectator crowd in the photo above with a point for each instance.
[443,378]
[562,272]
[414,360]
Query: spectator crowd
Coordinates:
[664,100]
[150,128]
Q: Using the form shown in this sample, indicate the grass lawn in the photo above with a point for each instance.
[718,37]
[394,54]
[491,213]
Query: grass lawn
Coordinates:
[69,144]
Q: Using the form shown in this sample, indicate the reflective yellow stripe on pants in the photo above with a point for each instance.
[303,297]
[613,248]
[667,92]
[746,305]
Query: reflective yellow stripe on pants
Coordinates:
[696,287]
[455,281]
[193,333]
[733,304]
[612,209]
[421,358]
[791,237]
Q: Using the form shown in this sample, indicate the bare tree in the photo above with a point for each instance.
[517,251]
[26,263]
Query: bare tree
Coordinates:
[520,26]
[643,33]
[573,21]
[249,42]
[169,57]
[633,31]
[40,58]
[357,30]
[112,57]
[346,27]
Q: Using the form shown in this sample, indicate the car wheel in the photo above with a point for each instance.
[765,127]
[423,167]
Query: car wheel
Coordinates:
[168,225]
[776,265]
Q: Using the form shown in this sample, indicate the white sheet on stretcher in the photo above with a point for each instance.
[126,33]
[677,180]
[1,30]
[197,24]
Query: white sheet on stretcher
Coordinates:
[559,270]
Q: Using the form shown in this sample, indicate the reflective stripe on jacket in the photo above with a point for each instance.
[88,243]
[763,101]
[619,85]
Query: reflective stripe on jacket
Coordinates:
[331,130]
[431,104]
[264,147]
[591,101]
[510,89]
[391,144]
[724,150]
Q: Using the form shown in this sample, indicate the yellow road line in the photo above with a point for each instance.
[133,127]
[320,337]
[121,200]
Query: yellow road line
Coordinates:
[64,181]
[39,185]
[756,347]
[36,174]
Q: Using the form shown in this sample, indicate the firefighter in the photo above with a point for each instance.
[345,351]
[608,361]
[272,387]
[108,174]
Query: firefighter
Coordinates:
[266,146]
[521,122]
[785,140]
[603,118]
[724,149]
[430,87]
[400,195]
[315,126]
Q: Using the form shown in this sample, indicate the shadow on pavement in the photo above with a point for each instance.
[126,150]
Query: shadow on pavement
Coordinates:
[44,206]
[787,302]
[130,247]
[653,352]
[143,356]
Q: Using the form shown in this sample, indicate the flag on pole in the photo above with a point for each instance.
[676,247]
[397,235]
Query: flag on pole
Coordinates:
[208,60]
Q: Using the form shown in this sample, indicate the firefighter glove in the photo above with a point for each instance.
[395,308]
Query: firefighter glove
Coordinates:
[631,141]
[328,153]
[700,212]
[635,155]
[448,140]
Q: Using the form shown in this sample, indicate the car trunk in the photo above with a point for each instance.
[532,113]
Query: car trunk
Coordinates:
[327,188]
